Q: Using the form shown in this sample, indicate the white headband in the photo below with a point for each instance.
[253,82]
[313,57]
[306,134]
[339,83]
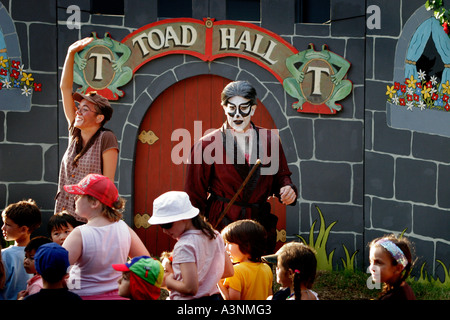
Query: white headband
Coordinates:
[394,250]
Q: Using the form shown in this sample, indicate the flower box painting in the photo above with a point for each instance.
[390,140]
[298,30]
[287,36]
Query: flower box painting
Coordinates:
[421,100]
[16,83]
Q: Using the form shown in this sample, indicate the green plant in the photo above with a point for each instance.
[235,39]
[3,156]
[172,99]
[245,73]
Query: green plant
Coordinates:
[324,261]
[440,13]
[349,263]
[425,287]
[446,282]
[423,277]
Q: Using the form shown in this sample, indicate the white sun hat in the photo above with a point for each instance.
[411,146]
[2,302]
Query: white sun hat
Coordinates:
[172,206]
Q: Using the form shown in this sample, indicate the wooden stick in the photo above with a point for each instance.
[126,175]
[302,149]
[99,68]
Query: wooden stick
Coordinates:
[230,203]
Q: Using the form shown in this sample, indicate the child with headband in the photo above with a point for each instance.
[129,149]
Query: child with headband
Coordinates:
[391,263]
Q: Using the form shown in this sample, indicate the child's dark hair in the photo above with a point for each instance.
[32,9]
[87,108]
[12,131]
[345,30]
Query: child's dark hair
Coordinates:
[301,259]
[200,222]
[36,242]
[405,245]
[249,235]
[239,88]
[24,213]
[61,220]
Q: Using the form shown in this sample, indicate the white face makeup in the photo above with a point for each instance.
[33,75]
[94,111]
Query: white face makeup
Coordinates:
[239,112]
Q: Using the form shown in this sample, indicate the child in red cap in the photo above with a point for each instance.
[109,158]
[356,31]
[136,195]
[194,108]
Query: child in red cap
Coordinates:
[141,278]
[104,240]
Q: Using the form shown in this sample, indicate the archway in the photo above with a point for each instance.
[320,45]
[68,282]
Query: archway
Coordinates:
[193,99]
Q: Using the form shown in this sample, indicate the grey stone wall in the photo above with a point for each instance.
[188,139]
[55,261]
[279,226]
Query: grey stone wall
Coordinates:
[405,171]
[29,139]
[369,177]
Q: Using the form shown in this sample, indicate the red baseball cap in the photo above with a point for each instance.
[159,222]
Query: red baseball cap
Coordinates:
[97,186]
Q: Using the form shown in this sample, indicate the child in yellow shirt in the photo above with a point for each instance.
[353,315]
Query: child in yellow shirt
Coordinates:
[252,279]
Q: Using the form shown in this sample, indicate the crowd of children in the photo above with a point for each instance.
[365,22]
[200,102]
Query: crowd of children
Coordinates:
[104,259]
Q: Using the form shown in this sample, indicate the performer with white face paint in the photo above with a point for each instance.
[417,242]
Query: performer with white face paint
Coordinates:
[210,186]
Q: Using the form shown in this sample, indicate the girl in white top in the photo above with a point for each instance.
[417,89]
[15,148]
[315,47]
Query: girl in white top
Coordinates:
[199,257]
[104,240]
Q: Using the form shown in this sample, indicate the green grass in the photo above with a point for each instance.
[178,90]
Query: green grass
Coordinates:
[351,285]
[343,285]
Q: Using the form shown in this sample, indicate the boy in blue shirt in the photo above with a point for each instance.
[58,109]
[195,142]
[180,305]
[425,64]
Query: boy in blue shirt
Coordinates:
[20,219]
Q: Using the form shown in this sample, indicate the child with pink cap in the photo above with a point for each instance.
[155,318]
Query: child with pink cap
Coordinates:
[103,241]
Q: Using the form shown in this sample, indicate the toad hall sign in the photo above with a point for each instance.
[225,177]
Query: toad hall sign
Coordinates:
[105,64]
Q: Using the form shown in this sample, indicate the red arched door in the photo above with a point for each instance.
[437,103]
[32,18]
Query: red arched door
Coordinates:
[187,101]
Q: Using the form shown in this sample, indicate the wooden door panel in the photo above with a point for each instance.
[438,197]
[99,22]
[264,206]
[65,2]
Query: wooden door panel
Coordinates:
[190,100]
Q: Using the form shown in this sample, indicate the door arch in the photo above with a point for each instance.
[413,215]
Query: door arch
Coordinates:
[193,99]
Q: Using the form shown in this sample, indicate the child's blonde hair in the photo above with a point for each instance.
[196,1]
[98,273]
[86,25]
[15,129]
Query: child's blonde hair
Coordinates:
[114,213]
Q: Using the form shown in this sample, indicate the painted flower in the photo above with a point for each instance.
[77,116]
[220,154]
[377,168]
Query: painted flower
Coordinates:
[6,83]
[445,98]
[426,92]
[429,85]
[447,107]
[409,91]
[446,88]
[390,91]
[433,90]
[421,75]
[409,97]
[3,72]
[395,100]
[416,97]
[419,85]
[26,91]
[403,88]
[1,85]
[15,74]
[402,101]
[421,105]
[16,84]
[27,78]
[433,80]
[15,64]
[409,105]
[37,86]
[411,82]
[397,86]
[434,96]
[439,102]
[3,62]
